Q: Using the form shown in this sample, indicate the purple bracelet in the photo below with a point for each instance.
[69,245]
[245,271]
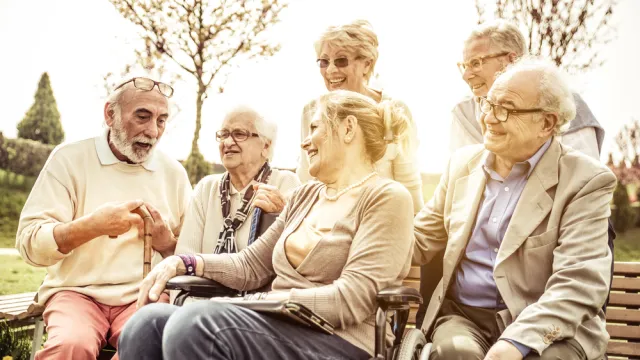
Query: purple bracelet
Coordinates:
[189,263]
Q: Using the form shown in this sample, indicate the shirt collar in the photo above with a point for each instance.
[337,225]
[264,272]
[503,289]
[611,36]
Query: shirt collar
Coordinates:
[107,157]
[530,163]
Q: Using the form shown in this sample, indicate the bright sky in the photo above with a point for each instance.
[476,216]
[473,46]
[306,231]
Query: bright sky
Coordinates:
[78,41]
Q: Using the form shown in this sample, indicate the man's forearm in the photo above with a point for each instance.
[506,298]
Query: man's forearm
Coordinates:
[170,249]
[70,235]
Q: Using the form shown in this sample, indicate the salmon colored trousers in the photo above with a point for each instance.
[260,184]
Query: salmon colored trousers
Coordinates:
[79,327]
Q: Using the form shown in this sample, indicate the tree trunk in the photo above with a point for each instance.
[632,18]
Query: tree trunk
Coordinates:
[199,102]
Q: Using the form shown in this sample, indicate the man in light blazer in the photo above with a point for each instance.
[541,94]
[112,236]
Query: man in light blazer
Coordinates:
[523,221]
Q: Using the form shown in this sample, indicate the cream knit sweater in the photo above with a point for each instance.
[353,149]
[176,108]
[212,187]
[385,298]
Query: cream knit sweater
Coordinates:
[78,178]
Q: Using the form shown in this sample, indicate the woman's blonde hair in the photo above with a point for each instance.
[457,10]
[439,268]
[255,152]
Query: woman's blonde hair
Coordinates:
[357,37]
[381,123]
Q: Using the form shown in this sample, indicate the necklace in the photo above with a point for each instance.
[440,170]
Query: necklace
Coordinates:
[345,190]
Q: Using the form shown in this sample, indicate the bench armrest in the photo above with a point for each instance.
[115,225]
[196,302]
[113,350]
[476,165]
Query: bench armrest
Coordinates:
[398,295]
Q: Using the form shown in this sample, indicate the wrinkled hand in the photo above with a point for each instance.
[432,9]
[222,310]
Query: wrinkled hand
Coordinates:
[116,218]
[163,240]
[503,350]
[153,285]
[268,198]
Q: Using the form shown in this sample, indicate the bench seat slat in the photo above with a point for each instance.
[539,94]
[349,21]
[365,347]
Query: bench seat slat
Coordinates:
[627,284]
[623,348]
[24,303]
[17,307]
[18,296]
[626,268]
[623,332]
[624,299]
[623,315]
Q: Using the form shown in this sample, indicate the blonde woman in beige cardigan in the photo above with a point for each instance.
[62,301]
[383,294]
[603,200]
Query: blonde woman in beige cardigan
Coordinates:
[347,56]
[338,242]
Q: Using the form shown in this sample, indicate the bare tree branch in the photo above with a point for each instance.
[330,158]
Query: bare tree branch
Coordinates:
[569,32]
[205,38]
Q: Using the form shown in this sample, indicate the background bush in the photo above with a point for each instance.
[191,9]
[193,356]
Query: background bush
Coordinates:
[623,216]
[23,156]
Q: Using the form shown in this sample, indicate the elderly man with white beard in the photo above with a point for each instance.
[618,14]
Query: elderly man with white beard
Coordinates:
[79,221]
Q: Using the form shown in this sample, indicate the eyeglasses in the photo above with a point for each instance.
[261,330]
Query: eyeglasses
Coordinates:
[147,84]
[340,62]
[475,64]
[237,135]
[500,112]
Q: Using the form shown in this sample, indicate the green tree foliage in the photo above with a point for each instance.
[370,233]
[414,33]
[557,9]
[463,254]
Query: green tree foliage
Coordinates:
[197,167]
[42,121]
[623,215]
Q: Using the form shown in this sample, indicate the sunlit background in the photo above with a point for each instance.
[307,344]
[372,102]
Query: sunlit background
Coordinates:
[78,41]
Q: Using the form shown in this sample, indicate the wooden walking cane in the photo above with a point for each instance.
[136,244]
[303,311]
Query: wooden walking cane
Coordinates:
[146,238]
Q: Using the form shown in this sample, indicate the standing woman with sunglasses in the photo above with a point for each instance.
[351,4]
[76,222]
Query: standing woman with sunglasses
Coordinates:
[219,216]
[347,55]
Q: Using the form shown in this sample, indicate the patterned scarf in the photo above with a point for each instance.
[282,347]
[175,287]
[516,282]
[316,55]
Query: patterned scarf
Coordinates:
[227,238]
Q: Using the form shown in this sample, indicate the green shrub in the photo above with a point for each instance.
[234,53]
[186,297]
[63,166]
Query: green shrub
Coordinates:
[23,156]
[623,216]
[11,203]
[197,167]
[13,181]
[14,342]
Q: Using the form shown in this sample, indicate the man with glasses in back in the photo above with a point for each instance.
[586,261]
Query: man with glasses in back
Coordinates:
[522,219]
[488,49]
[80,221]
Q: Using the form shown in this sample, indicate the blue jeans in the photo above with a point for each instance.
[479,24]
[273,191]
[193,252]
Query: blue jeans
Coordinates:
[210,330]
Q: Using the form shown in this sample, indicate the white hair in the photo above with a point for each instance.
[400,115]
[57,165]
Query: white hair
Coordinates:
[267,129]
[502,35]
[554,94]
[114,100]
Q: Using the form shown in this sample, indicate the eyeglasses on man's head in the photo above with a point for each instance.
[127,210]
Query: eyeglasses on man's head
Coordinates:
[147,84]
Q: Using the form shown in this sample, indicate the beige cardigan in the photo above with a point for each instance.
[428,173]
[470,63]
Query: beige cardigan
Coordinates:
[203,220]
[394,165]
[367,251]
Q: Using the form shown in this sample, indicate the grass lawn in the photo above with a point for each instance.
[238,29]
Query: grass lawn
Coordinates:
[627,246]
[16,276]
[8,228]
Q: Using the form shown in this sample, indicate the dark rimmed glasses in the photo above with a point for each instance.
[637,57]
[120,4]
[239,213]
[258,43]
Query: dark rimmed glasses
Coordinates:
[147,84]
[500,112]
[237,135]
[475,64]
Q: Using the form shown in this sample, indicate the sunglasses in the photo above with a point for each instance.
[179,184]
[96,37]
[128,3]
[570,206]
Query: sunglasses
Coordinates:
[147,84]
[339,62]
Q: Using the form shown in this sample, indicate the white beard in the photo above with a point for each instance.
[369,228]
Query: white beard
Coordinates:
[118,137]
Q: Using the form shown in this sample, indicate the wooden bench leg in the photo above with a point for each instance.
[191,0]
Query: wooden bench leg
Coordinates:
[38,333]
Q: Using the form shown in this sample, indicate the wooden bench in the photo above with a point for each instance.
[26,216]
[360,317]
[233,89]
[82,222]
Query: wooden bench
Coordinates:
[623,312]
[20,310]
[623,309]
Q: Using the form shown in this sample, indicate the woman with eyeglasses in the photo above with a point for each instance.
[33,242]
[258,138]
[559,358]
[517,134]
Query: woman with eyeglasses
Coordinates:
[221,210]
[347,56]
[338,242]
